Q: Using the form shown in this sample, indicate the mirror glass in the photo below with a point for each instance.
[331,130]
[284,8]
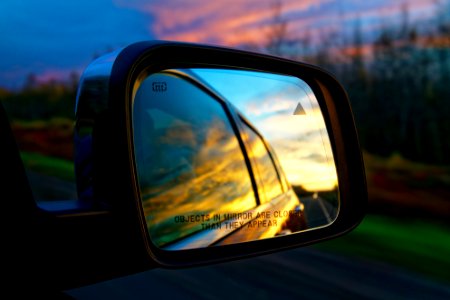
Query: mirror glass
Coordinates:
[228,156]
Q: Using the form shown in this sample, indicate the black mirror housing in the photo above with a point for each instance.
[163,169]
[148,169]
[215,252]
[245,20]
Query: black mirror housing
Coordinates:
[106,166]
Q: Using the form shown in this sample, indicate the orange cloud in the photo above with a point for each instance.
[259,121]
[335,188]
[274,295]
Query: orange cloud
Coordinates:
[220,22]
[238,22]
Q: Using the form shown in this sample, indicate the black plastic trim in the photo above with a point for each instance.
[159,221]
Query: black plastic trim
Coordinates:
[113,147]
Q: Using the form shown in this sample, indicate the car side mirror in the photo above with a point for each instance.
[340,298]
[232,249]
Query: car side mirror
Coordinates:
[210,154]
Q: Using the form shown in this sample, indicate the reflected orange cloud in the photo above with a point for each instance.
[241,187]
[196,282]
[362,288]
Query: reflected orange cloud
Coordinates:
[212,186]
[265,172]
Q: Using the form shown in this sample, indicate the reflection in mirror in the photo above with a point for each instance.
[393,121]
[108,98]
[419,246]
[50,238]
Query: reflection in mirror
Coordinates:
[230,156]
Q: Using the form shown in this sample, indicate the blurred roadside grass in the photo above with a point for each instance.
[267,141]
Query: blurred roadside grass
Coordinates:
[418,175]
[52,138]
[420,246]
[48,165]
[56,122]
[401,187]
[407,224]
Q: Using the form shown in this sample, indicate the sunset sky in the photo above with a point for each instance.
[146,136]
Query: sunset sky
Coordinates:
[51,39]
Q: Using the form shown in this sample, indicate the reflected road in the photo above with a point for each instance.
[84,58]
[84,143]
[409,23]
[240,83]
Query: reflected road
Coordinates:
[318,211]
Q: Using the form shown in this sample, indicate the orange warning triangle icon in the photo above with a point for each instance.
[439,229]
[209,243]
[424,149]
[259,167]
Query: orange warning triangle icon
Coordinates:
[299,110]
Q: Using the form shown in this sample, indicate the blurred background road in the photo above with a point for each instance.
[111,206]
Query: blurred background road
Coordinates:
[305,273]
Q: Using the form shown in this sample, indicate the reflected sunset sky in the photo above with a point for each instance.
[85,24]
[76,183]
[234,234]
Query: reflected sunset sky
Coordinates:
[300,141]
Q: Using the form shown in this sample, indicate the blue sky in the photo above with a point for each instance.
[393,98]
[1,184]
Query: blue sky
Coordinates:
[51,38]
